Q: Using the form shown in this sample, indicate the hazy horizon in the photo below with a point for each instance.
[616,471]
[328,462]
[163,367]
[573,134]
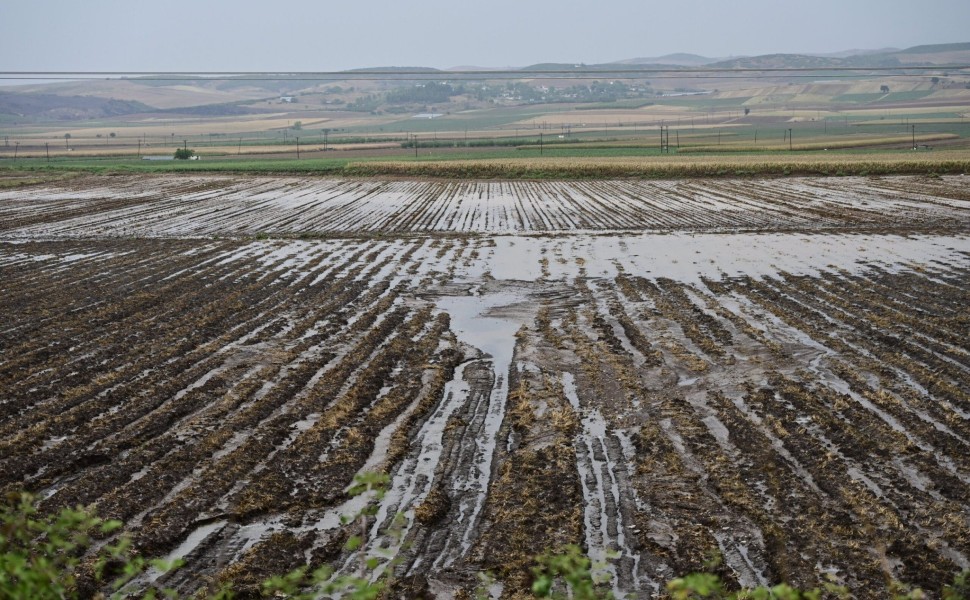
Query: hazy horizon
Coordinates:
[298,35]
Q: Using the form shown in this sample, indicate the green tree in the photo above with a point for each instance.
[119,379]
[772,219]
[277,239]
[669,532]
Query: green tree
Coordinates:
[184,153]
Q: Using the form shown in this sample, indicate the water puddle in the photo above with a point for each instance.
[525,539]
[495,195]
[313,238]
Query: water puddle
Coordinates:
[488,321]
[603,521]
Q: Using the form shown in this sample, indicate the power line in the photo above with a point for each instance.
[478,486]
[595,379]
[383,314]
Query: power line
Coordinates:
[584,70]
[489,78]
[498,74]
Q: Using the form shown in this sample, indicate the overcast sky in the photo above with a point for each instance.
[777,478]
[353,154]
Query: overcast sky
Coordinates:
[315,35]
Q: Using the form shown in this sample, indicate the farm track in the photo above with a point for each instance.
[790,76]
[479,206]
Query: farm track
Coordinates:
[779,376]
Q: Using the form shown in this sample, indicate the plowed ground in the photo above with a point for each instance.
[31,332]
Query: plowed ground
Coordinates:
[775,371]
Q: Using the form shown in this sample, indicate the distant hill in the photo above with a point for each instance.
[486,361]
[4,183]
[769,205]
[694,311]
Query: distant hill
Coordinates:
[680,59]
[935,54]
[805,61]
[937,48]
[854,52]
[393,69]
[159,93]
[607,67]
[28,107]
[927,55]
[186,95]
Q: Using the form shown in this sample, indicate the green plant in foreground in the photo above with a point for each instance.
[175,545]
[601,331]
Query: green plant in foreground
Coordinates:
[959,589]
[708,585]
[574,568]
[40,555]
[306,586]
[41,558]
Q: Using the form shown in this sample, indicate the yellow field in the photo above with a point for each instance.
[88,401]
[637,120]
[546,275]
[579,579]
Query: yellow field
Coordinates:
[672,166]
[919,121]
[950,94]
[909,110]
[822,90]
[830,144]
[225,126]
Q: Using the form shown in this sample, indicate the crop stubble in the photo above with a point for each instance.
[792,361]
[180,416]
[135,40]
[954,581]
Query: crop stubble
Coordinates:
[773,370]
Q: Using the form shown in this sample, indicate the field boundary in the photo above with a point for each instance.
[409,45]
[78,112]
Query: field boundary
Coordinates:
[949,163]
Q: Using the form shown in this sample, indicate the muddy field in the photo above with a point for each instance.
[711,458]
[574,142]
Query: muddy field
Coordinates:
[206,205]
[777,371]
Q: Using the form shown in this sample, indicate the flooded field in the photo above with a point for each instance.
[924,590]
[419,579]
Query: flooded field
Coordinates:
[777,371]
[203,205]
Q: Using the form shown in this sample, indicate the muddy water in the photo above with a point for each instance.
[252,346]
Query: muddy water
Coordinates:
[605,530]
[486,320]
[412,480]
[689,257]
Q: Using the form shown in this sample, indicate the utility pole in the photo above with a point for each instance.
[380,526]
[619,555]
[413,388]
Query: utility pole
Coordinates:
[239,148]
[185,144]
[914,137]
[678,139]
[540,143]
[789,140]
[755,136]
[48,148]
[297,147]
[16,146]
[139,148]
[415,145]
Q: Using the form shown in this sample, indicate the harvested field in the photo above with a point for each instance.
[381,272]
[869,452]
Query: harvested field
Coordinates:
[774,370]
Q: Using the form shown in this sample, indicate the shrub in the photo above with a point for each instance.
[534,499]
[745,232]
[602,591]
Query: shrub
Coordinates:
[40,555]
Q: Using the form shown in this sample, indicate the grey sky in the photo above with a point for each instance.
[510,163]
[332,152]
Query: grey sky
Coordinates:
[306,35]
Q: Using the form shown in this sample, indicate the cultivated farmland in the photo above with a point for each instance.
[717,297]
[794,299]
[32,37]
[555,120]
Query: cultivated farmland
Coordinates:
[774,370]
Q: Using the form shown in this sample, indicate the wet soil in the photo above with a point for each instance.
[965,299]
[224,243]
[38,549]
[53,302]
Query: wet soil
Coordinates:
[778,376]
